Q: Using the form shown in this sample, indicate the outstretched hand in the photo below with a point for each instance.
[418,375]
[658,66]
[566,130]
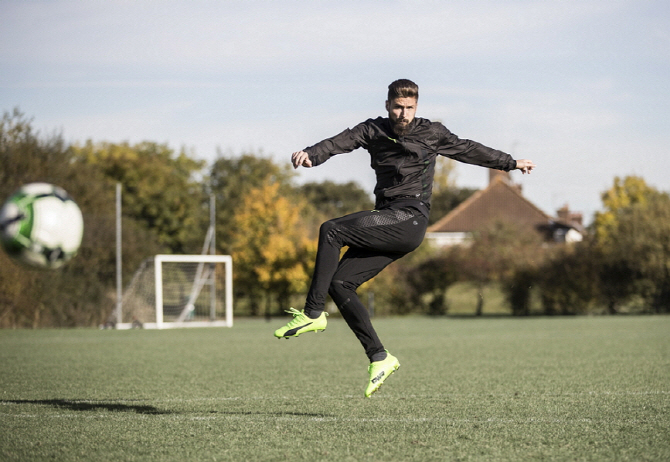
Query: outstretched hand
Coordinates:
[525,165]
[301,158]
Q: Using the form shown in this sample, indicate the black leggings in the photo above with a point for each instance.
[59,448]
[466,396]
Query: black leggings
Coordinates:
[375,238]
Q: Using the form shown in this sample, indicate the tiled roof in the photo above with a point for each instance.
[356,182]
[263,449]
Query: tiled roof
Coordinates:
[499,201]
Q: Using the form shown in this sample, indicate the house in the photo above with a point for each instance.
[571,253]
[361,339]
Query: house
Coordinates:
[502,200]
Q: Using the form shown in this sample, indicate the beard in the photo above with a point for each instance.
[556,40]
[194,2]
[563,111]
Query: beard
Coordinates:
[401,127]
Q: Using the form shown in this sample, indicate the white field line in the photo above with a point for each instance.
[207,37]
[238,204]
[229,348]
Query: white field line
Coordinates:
[125,416]
[420,397]
[338,397]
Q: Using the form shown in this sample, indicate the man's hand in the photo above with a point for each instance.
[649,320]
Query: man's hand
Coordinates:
[525,165]
[301,158]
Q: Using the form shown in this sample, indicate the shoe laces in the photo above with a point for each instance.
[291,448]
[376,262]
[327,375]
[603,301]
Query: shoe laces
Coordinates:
[298,316]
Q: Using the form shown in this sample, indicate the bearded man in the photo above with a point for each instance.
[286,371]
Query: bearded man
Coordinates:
[403,151]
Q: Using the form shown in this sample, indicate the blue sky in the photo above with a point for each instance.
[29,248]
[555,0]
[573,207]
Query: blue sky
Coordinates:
[581,87]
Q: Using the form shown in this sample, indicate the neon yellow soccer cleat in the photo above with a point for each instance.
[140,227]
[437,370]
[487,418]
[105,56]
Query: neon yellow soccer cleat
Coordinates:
[380,371]
[301,323]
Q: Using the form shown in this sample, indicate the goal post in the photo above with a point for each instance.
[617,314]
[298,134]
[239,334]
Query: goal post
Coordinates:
[201,260]
[185,291]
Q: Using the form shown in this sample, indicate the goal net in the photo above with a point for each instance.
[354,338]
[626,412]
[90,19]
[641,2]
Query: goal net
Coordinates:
[180,291]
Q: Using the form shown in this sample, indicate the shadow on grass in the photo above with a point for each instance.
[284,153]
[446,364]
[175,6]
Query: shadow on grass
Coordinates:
[74,405]
[87,405]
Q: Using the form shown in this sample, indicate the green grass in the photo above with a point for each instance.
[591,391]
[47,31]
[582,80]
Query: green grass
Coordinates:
[584,388]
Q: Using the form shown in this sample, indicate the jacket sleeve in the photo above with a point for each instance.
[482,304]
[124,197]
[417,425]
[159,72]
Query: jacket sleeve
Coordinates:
[347,141]
[471,152]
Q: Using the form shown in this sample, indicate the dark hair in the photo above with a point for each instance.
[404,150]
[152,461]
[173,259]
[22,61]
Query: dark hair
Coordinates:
[403,88]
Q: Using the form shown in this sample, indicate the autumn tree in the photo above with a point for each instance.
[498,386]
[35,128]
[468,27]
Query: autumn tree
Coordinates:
[624,194]
[632,244]
[624,264]
[272,253]
[232,178]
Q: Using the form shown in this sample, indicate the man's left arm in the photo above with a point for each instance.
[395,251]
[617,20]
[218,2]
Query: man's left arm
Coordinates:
[472,152]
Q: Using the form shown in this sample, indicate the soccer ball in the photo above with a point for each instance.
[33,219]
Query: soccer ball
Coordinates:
[41,226]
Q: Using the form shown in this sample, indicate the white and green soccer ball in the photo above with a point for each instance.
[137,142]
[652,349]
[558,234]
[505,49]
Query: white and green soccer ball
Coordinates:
[41,226]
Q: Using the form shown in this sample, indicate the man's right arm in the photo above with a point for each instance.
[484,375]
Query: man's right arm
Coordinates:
[347,141]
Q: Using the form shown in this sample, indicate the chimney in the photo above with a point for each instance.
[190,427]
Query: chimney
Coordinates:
[504,176]
[564,215]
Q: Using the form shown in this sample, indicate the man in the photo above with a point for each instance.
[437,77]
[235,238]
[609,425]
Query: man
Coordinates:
[403,150]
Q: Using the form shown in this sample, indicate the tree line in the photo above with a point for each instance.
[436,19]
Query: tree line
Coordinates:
[269,224]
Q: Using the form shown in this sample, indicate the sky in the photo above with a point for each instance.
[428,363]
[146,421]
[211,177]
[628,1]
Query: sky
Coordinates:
[580,87]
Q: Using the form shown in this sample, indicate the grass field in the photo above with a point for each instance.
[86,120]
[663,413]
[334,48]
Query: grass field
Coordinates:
[584,388]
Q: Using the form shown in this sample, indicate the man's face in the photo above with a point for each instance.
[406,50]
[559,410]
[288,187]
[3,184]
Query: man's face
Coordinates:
[401,112]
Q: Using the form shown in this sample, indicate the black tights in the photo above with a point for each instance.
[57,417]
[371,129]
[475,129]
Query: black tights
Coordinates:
[375,239]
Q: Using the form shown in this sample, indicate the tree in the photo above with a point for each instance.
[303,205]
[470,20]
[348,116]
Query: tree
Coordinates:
[81,292]
[231,180]
[329,199]
[625,193]
[425,283]
[568,279]
[76,294]
[646,233]
[503,252]
[635,253]
[161,190]
[273,255]
[630,245]
[29,157]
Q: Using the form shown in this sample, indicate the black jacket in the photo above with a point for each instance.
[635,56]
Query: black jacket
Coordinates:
[405,166]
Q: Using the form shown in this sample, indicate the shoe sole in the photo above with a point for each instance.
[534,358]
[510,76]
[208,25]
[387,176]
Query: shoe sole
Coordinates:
[296,335]
[397,366]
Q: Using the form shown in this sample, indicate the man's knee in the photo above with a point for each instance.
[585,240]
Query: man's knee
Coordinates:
[327,227]
[340,292]
[328,231]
